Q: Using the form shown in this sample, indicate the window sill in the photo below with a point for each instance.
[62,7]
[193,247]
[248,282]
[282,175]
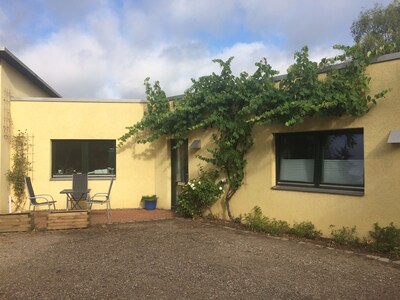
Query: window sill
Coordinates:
[69,178]
[317,190]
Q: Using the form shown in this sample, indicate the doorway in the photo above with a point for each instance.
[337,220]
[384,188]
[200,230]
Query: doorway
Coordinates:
[179,169]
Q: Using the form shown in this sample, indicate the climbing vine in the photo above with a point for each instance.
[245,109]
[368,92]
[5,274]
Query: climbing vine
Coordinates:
[19,169]
[231,105]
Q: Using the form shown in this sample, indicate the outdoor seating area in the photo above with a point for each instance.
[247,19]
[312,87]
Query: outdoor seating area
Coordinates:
[75,196]
[78,211]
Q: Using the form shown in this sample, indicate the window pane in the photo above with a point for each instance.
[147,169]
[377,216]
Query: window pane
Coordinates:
[101,157]
[296,158]
[67,157]
[343,159]
[96,157]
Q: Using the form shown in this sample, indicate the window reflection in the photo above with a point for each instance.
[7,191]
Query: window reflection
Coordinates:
[94,157]
[297,158]
[321,159]
[343,159]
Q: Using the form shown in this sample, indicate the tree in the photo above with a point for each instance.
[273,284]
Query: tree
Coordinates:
[377,30]
[231,105]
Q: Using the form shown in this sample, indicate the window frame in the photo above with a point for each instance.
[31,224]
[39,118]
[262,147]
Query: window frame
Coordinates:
[316,185]
[84,149]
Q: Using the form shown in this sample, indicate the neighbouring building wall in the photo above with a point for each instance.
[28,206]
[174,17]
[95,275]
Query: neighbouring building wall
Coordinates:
[12,83]
[4,159]
[60,119]
[381,200]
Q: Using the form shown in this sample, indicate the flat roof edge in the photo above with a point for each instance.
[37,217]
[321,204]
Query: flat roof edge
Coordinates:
[386,57]
[76,100]
[379,59]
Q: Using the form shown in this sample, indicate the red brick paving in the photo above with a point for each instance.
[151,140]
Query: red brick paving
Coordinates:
[118,216]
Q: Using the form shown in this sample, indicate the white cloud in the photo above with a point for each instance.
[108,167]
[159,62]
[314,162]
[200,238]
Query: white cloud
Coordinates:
[78,65]
[71,62]
[106,49]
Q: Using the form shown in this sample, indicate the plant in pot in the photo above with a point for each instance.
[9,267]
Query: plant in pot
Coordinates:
[150,201]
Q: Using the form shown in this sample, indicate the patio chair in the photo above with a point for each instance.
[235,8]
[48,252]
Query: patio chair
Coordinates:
[79,189]
[49,200]
[102,198]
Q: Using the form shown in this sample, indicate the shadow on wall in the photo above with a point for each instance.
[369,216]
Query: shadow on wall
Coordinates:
[383,149]
[131,145]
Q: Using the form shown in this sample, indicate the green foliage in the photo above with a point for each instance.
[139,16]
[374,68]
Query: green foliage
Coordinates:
[256,221]
[305,230]
[238,219]
[199,194]
[19,169]
[153,124]
[377,30]
[149,197]
[345,235]
[385,239]
[231,105]
[277,227]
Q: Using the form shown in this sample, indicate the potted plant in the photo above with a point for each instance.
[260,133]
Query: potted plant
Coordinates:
[150,202]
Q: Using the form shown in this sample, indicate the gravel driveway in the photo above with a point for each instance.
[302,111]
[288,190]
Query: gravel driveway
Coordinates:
[182,259]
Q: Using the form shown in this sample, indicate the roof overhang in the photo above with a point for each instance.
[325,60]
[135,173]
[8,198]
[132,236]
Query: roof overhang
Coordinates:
[11,59]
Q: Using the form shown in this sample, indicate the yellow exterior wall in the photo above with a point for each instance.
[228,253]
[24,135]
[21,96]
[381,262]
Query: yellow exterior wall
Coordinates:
[381,201]
[4,148]
[12,83]
[146,169]
[135,164]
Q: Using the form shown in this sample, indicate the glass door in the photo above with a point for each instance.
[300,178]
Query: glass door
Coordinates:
[179,168]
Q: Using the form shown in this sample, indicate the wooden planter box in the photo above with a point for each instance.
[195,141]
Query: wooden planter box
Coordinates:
[68,219]
[15,222]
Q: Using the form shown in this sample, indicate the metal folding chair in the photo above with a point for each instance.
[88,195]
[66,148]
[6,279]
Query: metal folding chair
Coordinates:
[79,190]
[49,200]
[102,198]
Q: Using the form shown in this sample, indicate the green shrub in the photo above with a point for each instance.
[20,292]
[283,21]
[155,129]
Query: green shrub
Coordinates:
[255,220]
[277,227]
[345,235]
[238,219]
[199,194]
[305,230]
[385,239]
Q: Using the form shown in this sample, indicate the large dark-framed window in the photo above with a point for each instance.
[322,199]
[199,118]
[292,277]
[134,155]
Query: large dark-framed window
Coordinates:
[321,159]
[97,158]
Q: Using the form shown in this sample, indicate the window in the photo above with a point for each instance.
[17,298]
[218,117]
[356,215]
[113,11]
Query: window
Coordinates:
[94,157]
[326,159]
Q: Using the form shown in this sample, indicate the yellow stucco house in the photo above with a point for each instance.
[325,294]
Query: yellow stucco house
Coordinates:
[286,174]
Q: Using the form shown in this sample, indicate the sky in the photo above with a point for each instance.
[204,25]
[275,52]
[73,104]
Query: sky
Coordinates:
[107,48]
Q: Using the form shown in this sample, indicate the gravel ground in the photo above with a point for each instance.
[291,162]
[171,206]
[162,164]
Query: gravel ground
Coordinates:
[182,259]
